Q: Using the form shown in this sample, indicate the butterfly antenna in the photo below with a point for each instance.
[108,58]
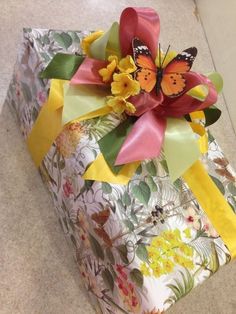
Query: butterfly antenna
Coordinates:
[165,55]
[159,52]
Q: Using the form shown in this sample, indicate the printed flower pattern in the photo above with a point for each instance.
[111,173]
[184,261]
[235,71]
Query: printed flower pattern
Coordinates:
[69,138]
[127,291]
[192,218]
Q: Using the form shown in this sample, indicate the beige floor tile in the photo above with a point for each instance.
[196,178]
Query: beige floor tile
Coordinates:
[219,21]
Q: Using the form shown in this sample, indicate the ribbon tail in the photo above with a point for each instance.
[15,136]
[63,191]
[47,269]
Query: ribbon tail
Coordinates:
[107,44]
[99,170]
[181,148]
[87,73]
[62,66]
[41,136]
[81,100]
[144,140]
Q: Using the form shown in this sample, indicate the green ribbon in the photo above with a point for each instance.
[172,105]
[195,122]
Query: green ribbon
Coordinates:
[180,147]
[80,100]
[111,143]
[106,45]
[62,66]
[216,80]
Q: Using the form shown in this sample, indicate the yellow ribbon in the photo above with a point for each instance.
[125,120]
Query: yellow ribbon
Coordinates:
[48,124]
[51,120]
[100,171]
[213,203]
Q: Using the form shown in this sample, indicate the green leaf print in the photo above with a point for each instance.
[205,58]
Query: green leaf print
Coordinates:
[180,288]
[151,168]
[137,277]
[108,279]
[63,39]
[96,247]
[142,192]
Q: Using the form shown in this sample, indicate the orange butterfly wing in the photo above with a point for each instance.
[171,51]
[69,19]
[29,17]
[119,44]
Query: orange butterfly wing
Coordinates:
[146,74]
[173,82]
[183,62]
[147,79]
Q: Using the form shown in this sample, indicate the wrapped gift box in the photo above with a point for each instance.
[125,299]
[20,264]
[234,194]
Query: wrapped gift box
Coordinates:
[140,247]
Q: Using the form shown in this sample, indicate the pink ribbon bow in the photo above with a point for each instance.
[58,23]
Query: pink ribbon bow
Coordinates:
[146,137]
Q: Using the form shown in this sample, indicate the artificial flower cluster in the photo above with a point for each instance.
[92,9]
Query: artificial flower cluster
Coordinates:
[118,73]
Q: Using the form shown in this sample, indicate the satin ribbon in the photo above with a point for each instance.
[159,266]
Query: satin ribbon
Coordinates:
[214,204]
[56,112]
[108,44]
[62,66]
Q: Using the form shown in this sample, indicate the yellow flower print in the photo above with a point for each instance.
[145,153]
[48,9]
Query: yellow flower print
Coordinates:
[165,252]
[177,258]
[157,271]
[145,270]
[187,250]
[157,242]
[187,233]
[127,65]
[124,85]
[69,138]
[168,266]
[189,264]
[106,73]
[119,104]
[87,41]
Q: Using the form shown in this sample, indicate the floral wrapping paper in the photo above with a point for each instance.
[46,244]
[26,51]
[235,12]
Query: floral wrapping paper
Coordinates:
[139,247]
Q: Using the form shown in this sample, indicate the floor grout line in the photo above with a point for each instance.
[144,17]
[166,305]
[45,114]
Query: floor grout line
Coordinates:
[214,65]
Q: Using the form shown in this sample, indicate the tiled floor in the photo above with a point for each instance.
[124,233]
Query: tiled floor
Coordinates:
[219,20]
[38,274]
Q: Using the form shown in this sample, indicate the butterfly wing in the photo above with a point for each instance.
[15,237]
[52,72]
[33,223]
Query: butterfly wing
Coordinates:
[173,81]
[183,62]
[173,84]
[146,74]
[146,79]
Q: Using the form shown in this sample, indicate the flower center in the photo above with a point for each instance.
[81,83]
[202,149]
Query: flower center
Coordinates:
[190,219]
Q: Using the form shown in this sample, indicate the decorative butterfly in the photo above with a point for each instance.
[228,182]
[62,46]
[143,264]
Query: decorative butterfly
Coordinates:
[101,218]
[170,79]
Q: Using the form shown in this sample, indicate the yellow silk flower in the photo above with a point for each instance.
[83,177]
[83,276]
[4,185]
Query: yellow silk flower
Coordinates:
[124,85]
[106,73]
[87,41]
[127,65]
[119,104]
